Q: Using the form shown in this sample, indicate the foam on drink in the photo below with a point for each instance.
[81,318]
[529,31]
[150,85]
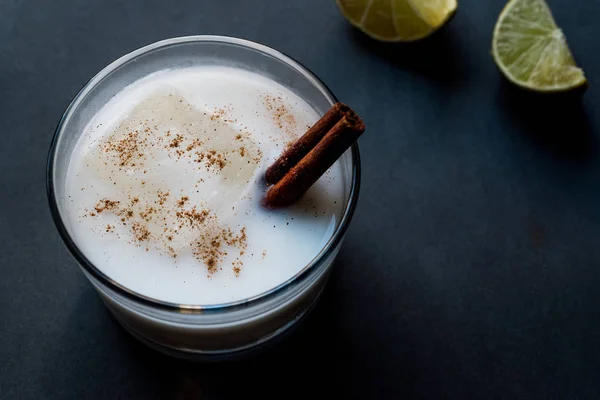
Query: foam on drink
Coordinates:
[165,184]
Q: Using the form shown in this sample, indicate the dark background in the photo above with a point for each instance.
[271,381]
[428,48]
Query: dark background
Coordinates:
[470,269]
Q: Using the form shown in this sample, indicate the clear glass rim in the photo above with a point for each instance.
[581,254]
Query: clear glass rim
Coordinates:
[91,269]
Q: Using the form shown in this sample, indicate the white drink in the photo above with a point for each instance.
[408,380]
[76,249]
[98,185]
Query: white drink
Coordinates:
[165,184]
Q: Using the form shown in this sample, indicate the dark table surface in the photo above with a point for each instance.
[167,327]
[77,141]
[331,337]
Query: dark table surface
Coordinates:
[471,269]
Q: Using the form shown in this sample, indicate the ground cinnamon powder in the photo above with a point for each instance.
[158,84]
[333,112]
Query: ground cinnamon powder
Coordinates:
[172,215]
[282,117]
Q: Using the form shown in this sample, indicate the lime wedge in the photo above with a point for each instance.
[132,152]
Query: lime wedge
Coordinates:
[531,51]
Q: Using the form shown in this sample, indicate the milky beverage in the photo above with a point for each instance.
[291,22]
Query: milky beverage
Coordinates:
[164,187]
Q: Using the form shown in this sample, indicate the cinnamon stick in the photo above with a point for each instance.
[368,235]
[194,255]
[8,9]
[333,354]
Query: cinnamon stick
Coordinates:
[318,159]
[309,140]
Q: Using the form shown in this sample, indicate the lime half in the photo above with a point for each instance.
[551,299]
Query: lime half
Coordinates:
[398,20]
